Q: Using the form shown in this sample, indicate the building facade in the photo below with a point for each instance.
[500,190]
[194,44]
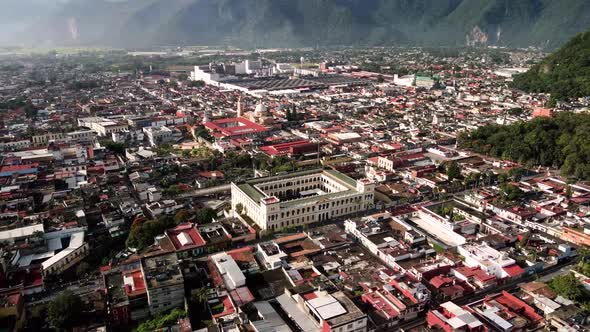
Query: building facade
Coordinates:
[164,282]
[301,198]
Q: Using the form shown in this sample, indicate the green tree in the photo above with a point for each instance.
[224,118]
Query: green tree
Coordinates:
[200,295]
[161,320]
[142,234]
[239,208]
[196,84]
[562,142]
[203,133]
[65,310]
[453,170]
[118,148]
[568,191]
[511,192]
[567,286]
[205,215]
[173,190]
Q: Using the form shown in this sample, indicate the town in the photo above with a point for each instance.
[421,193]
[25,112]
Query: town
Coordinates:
[223,189]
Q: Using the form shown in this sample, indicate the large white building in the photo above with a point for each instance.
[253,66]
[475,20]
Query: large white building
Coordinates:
[160,135]
[301,198]
[229,270]
[492,261]
[102,126]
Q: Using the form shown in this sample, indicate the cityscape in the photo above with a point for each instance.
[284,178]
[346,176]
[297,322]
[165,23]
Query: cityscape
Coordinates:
[321,188]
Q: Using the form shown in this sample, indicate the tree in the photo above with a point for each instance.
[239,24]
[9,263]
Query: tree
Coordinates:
[239,208]
[517,173]
[202,132]
[568,191]
[567,286]
[65,310]
[200,295]
[173,190]
[31,111]
[142,234]
[562,142]
[453,170]
[511,192]
[117,148]
[182,216]
[161,320]
[196,84]
[205,215]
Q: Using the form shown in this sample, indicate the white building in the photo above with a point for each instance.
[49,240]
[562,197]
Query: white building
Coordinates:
[271,255]
[42,140]
[319,311]
[440,227]
[301,198]
[159,135]
[62,259]
[253,66]
[102,126]
[229,271]
[81,136]
[489,259]
[406,81]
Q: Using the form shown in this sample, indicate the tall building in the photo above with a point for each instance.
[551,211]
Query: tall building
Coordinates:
[164,282]
[301,198]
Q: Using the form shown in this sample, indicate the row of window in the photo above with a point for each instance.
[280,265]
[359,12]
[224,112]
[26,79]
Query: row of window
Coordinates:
[290,183]
[312,218]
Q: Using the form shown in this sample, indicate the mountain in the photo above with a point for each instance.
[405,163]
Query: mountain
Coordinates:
[564,74]
[307,22]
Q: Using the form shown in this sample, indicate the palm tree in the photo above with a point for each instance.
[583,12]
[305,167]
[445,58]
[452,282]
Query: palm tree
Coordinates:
[200,295]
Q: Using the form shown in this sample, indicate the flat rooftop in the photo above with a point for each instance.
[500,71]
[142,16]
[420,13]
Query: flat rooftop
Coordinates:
[162,271]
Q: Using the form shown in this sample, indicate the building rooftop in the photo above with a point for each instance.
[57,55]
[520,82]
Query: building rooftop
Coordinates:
[185,236]
[161,271]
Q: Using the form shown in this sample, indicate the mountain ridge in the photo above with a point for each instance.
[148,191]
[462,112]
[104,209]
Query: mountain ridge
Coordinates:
[270,23]
[564,74]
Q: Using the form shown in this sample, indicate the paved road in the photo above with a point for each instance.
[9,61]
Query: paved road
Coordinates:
[207,191]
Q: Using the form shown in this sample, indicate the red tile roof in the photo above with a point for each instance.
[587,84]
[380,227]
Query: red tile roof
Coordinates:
[234,127]
[288,147]
[190,231]
[138,284]
[513,270]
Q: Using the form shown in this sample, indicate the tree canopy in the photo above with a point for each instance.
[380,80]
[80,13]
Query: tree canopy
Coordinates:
[143,232]
[161,320]
[562,142]
[453,170]
[567,286]
[65,310]
[564,74]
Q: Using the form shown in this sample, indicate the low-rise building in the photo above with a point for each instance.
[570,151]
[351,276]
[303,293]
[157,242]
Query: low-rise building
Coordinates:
[490,260]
